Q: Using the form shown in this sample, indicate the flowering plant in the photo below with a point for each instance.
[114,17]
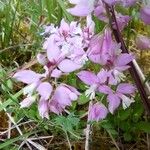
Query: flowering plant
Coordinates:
[70,47]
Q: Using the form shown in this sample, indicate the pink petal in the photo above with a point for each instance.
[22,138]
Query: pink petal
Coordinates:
[27,102]
[126,88]
[97,112]
[83,8]
[53,51]
[102,75]
[62,96]
[105,89]
[56,73]
[123,60]
[43,108]
[64,26]
[114,102]
[88,77]
[68,66]
[72,89]
[55,107]
[42,59]
[27,76]
[45,90]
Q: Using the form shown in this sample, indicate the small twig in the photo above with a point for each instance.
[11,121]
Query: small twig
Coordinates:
[113,140]
[42,137]
[36,145]
[9,129]
[12,127]
[148,141]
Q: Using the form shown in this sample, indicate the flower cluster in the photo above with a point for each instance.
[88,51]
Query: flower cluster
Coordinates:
[68,47]
[104,51]
[65,52]
[97,7]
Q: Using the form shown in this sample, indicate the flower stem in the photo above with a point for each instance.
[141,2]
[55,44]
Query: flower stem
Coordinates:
[88,130]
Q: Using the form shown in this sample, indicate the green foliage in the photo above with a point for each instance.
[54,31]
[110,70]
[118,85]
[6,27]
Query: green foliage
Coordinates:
[67,123]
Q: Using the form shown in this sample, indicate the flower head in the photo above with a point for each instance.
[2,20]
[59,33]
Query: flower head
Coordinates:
[123,91]
[97,112]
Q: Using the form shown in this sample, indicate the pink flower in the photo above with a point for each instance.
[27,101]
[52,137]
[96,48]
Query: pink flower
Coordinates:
[103,50]
[66,46]
[142,42]
[44,89]
[97,112]
[94,81]
[114,98]
[27,102]
[27,76]
[63,96]
[102,47]
[86,7]
[145,14]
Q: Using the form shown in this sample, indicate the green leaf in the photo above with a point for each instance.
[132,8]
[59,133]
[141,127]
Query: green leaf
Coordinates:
[108,127]
[9,85]
[124,114]
[11,141]
[68,16]
[143,126]
[10,100]
[127,136]
[67,123]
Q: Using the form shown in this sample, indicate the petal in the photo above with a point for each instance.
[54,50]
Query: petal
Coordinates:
[27,76]
[64,26]
[114,102]
[68,66]
[126,88]
[29,89]
[56,73]
[126,101]
[83,8]
[45,90]
[72,89]
[123,59]
[27,102]
[102,75]
[43,109]
[53,51]
[62,96]
[88,77]
[105,89]
[42,59]
[55,107]
[97,112]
